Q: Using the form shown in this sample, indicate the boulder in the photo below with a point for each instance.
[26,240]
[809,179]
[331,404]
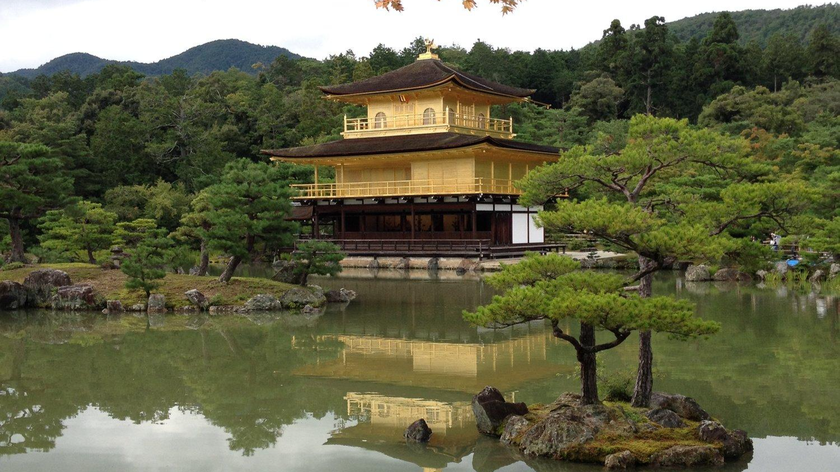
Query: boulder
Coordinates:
[76,297]
[308,310]
[514,428]
[156,303]
[284,271]
[12,295]
[197,298]
[42,282]
[735,443]
[374,264]
[434,264]
[731,274]
[299,297]
[491,409]
[761,275]
[418,431]
[403,264]
[687,456]
[564,429]
[262,302]
[340,296]
[697,273]
[620,460]
[220,309]
[665,418]
[137,307]
[817,277]
[833,271]
[781,268]
[684,406]
[114,306]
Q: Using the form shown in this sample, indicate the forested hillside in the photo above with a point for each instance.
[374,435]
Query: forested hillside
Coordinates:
[203,59]
[761,25]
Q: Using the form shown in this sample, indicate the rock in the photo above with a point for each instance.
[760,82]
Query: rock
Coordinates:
[620,460]
[374,264]
[467,265]
[514,428]
[284,271]
[731,275]
[684,406]
[687,456]
[735,443]
[403,264]
[833,271]
[563,429]
[340,296]
[189,309]
[308,310]
[665,418]
[194,270]
[761,275]
[137,307]
[817,276]
[42,282]
[156,303]
[12,295]
[197,298]
[418,431]
[781,268]
[299,297]
[76,297]
[220,309]
[491,409]
[434,264]
[114,306]
[697,273]
[262,302]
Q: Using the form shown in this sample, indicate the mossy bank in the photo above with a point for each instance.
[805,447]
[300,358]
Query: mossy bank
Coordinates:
[110,285]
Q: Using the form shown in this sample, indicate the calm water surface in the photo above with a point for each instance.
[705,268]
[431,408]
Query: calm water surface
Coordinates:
[334,392]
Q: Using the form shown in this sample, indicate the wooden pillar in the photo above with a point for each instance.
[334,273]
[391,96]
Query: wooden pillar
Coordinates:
[343,225]
[316,177]
[474,222]
[316,233]
[413,219]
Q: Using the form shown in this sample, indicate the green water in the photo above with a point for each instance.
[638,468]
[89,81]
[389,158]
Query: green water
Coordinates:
[334,392]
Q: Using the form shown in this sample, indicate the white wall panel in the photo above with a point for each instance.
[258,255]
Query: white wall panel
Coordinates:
[520,228]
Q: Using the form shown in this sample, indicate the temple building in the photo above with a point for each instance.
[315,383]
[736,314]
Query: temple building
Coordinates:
[428,171]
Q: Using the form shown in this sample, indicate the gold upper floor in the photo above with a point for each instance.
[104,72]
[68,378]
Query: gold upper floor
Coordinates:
[441,109]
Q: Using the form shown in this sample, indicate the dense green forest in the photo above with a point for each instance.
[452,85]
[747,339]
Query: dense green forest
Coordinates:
[167,150]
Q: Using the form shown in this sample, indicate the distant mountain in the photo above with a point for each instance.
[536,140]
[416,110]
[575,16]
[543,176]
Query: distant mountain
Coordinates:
[760,25]
[215,55]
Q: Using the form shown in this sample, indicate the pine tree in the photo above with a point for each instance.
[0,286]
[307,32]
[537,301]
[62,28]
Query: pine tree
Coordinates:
[248,207]
[551,288]
[670,195]
[316,258]
[823,53]
[81,227]
[146,264]
[31,182]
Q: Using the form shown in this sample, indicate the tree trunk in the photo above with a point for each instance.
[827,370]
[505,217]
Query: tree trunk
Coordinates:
[231,267]
[644,378]
[588,366]
[17,254]
[204,259]
[91,259]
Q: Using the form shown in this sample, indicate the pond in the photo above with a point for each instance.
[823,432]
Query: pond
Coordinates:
[335,391]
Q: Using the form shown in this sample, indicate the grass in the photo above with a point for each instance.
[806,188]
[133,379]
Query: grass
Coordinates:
[111,285]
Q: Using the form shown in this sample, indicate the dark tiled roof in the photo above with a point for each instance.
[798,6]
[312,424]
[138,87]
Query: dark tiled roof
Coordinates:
[422,74]
[408,143]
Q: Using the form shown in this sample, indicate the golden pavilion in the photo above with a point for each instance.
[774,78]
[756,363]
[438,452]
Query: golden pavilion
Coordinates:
[427,172]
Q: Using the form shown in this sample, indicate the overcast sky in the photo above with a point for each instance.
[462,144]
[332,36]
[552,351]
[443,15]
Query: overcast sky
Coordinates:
[34,31]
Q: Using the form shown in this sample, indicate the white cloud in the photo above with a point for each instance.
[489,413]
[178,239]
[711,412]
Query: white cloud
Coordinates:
[34,32]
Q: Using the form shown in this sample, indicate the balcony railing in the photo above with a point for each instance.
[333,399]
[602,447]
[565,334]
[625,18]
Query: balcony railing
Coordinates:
[449,120]
[401,188]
